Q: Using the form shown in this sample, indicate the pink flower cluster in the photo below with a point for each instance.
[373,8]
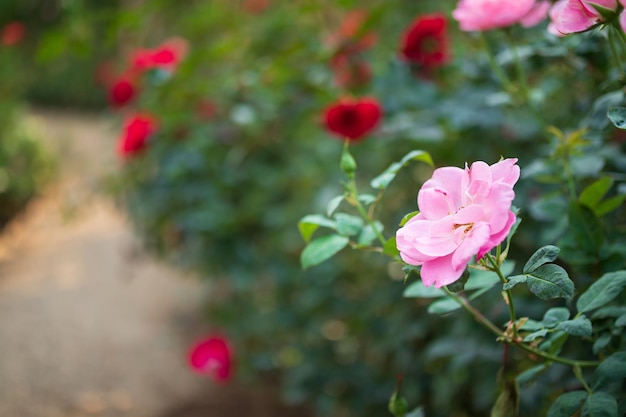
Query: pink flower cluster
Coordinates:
[464,212]
[572,16]
[212,356]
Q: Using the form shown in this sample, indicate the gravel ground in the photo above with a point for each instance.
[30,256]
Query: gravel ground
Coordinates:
[89,325]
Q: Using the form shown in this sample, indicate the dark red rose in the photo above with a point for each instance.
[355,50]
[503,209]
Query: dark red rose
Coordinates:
[12,33]
[353,119]
[135,134]
[121,93]
[212,356]
[425,42]
[166,56]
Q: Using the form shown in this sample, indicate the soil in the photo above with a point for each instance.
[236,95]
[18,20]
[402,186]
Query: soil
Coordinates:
[89,324]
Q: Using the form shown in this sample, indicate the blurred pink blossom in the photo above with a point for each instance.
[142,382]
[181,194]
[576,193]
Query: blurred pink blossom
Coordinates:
[464,212]
[571,16]
[479,15]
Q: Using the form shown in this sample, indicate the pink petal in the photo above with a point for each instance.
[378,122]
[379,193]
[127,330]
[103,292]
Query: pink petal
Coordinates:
[506,171]
[474,240]
[434,238]
[537,14]
[440,272]
[498,237]
[435,203]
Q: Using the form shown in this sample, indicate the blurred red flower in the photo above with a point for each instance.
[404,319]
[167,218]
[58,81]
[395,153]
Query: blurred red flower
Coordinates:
[166,56]
[353,119]
[121,92]
[135,134]
[212,356]
[425,42]
[255,6]
[12,33]
[349,43]
[206,109]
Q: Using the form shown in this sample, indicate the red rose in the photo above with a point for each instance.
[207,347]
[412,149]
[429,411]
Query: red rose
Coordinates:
[12,33]
[135,134]
[353,119]
[425,42]
[166,56]
[212,356]
[121,93]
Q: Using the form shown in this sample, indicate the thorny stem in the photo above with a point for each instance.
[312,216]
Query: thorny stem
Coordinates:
[478,316]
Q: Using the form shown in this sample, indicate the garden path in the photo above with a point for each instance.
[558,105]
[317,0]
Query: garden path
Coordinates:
[90,326]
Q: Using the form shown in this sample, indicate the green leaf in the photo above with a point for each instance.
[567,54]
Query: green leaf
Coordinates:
[368,235]
[567,404]
[309,224]
[382,181]
[612,369]
[608,312]
[600,404]
[513,281]
[617,115]
[609,205]
[602,291]
[348,225]
[333,204]
[602,342]
[621,321]
[419,290]
[390,248]
[321,249]
[586,228]
[530,373]
[554,342]
[554,316]
[546,282]
[580,326]
[542,256]
[444,306]
[367,199]
[594,193]
[408,217]
[534,335]
[418,412]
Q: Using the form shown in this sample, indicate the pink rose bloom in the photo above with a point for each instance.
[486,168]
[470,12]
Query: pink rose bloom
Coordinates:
[571,16]
[479,15]
[463,212]
[622,17]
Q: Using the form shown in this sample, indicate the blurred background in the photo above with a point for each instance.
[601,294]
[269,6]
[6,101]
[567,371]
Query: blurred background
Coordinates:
[156,156]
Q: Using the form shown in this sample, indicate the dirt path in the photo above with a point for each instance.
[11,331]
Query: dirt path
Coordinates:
[88,325]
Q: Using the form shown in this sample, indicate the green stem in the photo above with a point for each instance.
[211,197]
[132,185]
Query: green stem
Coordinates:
[478,316]
[509,297]
[497,70]
[519,68]
[579,376]
[616,55]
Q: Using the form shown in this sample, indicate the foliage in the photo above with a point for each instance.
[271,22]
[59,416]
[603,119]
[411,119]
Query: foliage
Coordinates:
[220,193]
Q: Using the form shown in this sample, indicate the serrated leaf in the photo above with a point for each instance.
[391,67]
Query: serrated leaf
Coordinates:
[617,115]
[612,369]
[600,404]
[321,249]
[542,256]
[546,282]
[309,224]
[594,193]
[333,204]
[382,181]
[580,326]
[348,225]
[602,291]
[567,404]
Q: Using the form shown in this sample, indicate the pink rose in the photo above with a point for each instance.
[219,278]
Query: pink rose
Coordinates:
[571,16]
[463,212]
[479,15]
